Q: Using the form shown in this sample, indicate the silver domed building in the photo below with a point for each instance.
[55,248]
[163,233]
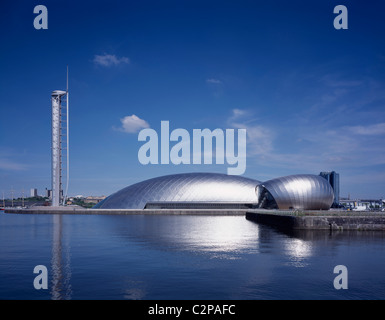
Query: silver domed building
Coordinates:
[186,190]
[213,190]
[302,191]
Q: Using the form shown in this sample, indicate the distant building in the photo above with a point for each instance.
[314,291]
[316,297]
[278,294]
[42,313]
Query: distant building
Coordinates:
[33,192]
[48,193]
[334,180]
[95,200]
[362,204]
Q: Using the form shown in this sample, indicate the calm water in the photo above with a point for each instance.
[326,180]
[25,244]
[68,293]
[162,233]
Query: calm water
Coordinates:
[182,257]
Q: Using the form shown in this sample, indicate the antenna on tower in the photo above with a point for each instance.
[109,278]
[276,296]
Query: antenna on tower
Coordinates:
[68,149]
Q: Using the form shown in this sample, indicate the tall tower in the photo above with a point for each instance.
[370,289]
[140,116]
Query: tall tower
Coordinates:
[60,141]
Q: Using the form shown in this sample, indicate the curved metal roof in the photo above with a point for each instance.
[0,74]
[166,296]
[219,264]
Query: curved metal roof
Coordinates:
[188,187]
[302,191]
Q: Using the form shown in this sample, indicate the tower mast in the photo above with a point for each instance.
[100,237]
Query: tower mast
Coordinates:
[58,97]
[67,145]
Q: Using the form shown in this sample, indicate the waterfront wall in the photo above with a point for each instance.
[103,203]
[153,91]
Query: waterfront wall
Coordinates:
[294,220]
[319,220]
[79,210]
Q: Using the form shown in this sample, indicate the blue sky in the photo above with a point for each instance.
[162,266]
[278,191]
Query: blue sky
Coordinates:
[311,97]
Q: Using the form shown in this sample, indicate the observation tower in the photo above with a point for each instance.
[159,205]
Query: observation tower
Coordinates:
[60,142]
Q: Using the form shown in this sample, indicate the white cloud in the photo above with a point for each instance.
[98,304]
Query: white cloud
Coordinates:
[6,164]
[313,147]
[336,80]
[238,113]
[132,124]
[216,86]
[213,81]
[108,60]
[259,137]
[374,129]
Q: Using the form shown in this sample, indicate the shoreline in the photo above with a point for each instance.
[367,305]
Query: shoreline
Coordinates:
[283,219]
[79,210]
[332,220]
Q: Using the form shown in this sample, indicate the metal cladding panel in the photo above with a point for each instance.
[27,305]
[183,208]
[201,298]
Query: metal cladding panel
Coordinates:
[188,187]
[303,191]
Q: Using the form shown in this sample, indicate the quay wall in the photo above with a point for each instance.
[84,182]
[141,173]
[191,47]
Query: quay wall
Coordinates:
[297,220]
[320,220]
[77,210]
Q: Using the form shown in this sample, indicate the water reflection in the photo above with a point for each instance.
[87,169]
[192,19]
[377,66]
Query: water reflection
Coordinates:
[299,251]
[226,237]
[60,263]
[219,236]
[176,256]
[134,290]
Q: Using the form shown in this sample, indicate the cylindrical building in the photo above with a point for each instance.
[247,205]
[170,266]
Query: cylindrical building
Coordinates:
[300,191]
[56,98]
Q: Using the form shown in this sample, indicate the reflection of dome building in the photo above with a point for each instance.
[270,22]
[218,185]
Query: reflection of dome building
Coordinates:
[213,190]
[302,191]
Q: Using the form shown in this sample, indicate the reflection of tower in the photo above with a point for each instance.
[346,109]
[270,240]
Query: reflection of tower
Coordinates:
[61,270]
[60,139]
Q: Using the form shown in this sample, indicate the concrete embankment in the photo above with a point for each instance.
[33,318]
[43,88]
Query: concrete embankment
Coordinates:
[289,220]
[319,220]
[80,210]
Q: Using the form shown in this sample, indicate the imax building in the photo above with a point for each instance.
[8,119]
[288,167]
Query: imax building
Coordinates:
[214,190]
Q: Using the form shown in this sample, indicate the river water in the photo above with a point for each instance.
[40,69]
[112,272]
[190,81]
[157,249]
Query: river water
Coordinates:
[150,257]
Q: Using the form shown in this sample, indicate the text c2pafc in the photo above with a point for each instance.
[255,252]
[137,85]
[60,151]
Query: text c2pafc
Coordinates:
[181,152]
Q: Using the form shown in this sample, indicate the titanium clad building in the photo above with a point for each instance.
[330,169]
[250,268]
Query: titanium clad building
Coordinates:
[213,190]
[302,191]
[185,190]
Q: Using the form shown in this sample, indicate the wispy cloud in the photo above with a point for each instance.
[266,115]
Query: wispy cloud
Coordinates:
[237,114]
[369,130]
[216,86]
[108,60]
[259,137]
[8,165]
[335,80]
[213,81]
[339,148]
[132,124]
[312,147]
